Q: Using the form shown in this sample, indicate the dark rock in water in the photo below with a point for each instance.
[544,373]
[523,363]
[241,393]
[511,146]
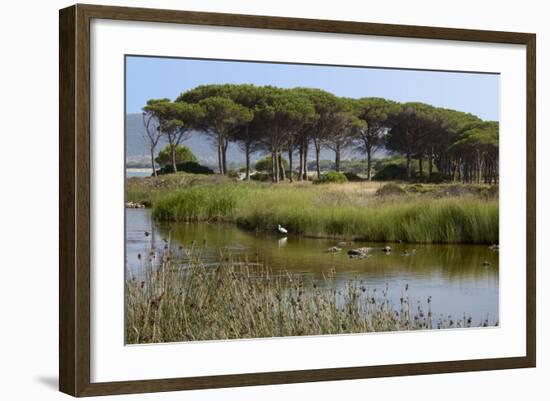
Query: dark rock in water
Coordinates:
[486,263]
[386,249]
[134,205]
[334,249]
[359,252]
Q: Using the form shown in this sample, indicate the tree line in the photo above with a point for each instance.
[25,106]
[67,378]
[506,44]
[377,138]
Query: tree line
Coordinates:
[290,122]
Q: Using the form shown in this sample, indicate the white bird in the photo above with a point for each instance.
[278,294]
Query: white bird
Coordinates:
[282,230]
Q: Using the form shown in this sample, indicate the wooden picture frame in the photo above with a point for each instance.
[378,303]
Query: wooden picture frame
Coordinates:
[74,203]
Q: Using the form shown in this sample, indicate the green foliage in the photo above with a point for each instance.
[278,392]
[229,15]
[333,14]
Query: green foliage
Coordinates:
[391,172]
[353,177]
[183,155]
[331,177]
[221,114]
[457,145]
[261,177]
[376,114]
[172,116]
[264,164]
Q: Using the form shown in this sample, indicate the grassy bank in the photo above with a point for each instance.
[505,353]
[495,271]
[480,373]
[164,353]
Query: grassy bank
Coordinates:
[362,211]
[187,302]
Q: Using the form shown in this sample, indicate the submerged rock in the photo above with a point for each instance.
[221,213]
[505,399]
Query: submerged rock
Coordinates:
[334,249]
[134,205]
[359,252]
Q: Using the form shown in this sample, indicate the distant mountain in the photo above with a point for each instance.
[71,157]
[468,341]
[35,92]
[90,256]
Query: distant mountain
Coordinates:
[137,149]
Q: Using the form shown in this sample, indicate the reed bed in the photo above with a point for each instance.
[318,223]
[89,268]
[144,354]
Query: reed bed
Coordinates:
[330,211]
[182,299]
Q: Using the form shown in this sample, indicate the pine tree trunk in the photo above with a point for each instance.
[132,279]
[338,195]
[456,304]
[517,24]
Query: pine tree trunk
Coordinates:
[317,160]
[224,155]
[369,163]
[281,166]
[408,166]
[301,163]
[247,173]
[220,164]
[273,163]
[305,162]
[276,161]
[337,158]
[173,157]
[430,164]
[290,164]
[153,161]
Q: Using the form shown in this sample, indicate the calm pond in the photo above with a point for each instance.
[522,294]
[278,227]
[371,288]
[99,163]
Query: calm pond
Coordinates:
[455,276]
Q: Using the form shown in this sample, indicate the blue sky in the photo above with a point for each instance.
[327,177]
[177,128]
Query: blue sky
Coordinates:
[154,77]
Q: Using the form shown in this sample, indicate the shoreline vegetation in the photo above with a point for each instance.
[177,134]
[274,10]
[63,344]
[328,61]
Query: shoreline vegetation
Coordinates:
[182,299]
[368,211]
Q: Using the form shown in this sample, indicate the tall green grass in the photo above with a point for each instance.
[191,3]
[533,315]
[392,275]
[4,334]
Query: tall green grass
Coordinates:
[312,211]
[198,204]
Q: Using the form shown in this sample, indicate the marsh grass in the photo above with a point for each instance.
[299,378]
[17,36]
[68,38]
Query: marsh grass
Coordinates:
[334,211]
[182,299]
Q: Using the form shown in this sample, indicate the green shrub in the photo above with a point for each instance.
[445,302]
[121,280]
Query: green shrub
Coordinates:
[264,165]
[187,167]
[183,155]
[331,177]
[391,172]
[263,177]
[233,174]
[437,178]
[390,189]
[353,177]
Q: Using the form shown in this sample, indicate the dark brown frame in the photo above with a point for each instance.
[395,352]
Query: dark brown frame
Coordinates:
[74,199]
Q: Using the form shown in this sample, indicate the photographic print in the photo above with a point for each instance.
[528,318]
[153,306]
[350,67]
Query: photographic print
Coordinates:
[275,199]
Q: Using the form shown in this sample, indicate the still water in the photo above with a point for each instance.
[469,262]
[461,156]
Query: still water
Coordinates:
[461,279]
